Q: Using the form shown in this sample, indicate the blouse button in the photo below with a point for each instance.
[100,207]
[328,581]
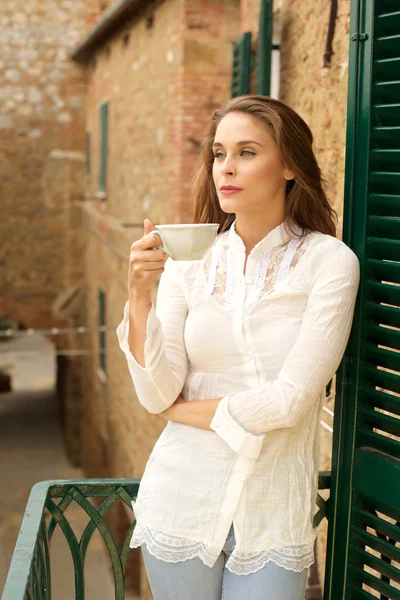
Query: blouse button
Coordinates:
[242,477]
[248,279]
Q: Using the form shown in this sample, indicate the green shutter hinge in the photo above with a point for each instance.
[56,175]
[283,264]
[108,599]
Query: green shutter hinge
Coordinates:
[359,37]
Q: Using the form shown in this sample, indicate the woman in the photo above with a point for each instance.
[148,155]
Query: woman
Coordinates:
[236,358]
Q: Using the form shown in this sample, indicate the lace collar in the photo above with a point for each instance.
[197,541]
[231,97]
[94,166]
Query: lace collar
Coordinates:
[277,236]
[261,251]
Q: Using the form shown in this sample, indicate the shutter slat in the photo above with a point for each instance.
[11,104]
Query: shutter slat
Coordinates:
[387,114]
[387,65]
[375,583]
[383,292]
[383,336]
[379,378]
[388,44]
[377,544]
[386,315]
[371,520]
[358,594]
[380,269]
[388,135]
[380,442]
[386,156]
[388,249]
[386,89]
[381,421]
[382,357]
[380,399]
[379,565]
[388,22]
[388,204]
[385,181]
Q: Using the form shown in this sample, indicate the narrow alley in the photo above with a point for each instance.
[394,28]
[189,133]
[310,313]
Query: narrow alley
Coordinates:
[32,450]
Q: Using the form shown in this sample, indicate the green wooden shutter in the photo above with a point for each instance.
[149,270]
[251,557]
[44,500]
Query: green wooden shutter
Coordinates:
[241,65]
[264,48]
[364,518]
[102,334]
[103,146]
[88,153]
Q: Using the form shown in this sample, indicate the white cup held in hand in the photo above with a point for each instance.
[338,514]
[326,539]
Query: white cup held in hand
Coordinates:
[187,241]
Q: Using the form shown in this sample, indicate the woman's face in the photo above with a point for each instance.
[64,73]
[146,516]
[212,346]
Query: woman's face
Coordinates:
[247,157]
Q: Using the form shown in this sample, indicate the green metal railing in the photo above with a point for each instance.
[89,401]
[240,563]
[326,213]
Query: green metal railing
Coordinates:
[29,574]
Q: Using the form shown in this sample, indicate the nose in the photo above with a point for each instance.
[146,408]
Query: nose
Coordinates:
[228,166]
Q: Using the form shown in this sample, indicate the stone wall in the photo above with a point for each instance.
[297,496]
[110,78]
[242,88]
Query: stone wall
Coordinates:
[317,93]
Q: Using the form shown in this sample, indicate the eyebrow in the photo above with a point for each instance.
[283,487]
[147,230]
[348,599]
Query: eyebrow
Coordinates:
[242,143]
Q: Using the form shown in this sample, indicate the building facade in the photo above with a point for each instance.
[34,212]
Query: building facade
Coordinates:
[103,106]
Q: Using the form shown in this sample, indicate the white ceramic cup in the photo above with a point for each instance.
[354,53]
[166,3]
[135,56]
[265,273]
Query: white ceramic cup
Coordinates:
[187,241]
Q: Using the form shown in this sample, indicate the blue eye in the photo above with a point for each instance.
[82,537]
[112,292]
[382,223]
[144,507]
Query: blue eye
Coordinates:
[242,152]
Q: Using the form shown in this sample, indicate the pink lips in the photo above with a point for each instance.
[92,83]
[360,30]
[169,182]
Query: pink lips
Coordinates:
[230,189]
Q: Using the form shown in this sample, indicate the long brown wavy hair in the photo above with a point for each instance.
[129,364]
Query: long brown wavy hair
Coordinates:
[306,204]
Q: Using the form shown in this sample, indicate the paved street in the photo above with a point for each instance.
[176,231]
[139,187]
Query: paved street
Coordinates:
[31,450]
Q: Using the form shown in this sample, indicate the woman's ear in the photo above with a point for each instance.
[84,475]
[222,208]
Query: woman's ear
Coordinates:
[288,174]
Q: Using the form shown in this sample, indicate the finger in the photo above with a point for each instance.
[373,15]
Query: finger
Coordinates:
[148,255]
[150,240]
[148,226]
[149,266]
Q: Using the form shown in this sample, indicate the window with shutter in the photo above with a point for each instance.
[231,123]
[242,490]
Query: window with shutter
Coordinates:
[102,334]
[364,535]
[88,153]
[264,48]
[103,146]
[241,65]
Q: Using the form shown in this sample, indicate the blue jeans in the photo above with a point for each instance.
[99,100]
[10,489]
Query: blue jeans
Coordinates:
[193,580]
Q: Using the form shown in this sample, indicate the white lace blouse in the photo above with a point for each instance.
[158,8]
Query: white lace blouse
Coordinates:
[267,342]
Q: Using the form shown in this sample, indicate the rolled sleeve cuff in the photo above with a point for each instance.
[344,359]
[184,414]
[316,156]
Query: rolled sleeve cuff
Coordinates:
[241,441]
[151,345]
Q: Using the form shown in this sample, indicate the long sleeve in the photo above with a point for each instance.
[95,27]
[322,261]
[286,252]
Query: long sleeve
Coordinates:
[243,418]
[160,382]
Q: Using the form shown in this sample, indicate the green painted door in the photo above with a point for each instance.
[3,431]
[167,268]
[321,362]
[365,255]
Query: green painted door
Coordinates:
[363,559]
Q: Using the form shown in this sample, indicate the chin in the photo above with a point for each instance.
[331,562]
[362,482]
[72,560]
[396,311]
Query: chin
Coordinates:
[228,205]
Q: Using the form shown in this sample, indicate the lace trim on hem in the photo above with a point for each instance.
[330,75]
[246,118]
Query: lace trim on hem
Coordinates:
[174,549]
[242,564]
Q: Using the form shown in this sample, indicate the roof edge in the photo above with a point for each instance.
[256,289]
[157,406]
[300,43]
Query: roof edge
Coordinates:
[114,19]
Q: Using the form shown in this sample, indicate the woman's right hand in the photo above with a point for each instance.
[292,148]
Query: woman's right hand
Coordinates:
[145,263]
